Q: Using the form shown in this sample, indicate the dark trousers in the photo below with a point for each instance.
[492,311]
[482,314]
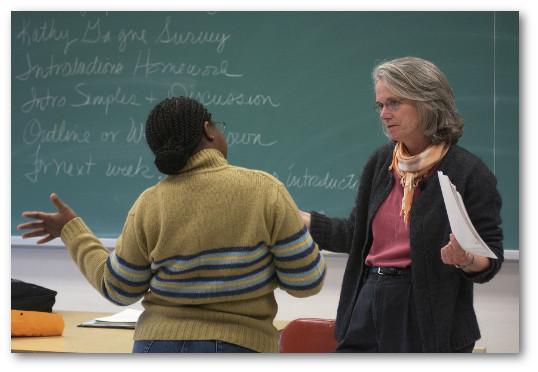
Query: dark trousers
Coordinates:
[384,318]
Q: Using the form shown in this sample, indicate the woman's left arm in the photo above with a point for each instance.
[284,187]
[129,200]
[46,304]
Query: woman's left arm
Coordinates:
[483,202]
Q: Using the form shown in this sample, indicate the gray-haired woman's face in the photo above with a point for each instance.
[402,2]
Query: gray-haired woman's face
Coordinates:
[401,118]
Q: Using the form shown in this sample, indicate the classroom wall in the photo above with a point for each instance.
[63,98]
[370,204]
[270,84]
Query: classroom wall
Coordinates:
[496,302]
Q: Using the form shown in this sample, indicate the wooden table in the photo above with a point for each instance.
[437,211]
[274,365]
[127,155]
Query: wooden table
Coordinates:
[82,339]
[77,339]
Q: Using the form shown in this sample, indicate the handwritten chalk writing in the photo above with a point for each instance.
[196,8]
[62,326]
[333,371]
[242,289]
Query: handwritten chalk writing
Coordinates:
[41,103]
[235,138]
[93,33]
[181,68]
[46,32]
[114,170]
[109,135]
[91,67]
[130,35]
[56,167]
[34,132]
[136,133]
[207,98]
[104,100]
[306,180]
[151,98]
[169,37]
[63,70]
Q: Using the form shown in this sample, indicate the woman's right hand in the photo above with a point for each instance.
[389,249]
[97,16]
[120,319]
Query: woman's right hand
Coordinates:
[48,224]
[306,218]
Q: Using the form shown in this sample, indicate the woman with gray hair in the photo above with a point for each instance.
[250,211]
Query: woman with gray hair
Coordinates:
[408,284]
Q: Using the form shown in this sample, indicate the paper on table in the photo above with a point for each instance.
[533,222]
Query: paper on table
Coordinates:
[460,223]
[126,316]
[125,319]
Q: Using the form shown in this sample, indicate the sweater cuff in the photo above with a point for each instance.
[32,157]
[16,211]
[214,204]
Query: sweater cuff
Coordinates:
[72,229]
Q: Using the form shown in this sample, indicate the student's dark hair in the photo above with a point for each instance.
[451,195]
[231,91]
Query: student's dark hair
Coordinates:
[173,131]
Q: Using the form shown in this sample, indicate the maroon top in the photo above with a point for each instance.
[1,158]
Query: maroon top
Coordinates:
[391,246]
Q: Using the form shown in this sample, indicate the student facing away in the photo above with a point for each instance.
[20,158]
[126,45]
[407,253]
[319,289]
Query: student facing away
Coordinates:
[204,248]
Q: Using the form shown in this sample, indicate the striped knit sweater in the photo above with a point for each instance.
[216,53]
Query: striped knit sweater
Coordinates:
[205,249]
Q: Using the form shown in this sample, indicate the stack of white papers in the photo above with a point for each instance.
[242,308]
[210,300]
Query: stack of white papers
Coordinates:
[125,319]
[460,223]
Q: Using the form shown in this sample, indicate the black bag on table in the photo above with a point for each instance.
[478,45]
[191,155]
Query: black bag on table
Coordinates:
[31,297]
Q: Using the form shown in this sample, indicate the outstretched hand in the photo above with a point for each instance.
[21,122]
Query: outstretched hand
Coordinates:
[49,225]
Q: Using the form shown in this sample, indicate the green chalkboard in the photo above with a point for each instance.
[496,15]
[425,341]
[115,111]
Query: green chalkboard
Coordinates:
[293,87]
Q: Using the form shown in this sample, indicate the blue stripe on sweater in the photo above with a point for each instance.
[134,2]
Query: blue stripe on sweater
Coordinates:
[171,279]
[302,286]
[203,295]
[296,247]
[128,273]
[196,280]
[119,296]
[309,278]
[214,259]
[207,287]
[168,277]
[213,266]
[299,270]
[216,252]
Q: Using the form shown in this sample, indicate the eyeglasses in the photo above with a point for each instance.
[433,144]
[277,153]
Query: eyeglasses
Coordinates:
[391,104]
[221,125]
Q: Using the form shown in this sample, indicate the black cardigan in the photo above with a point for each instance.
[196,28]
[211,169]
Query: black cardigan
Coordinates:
[443,294]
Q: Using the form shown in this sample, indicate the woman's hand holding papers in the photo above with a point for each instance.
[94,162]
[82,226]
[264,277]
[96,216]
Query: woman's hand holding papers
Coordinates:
[454,254]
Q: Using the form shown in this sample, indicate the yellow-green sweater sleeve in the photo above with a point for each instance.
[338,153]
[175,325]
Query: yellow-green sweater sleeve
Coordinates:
[299,265]
[120,282]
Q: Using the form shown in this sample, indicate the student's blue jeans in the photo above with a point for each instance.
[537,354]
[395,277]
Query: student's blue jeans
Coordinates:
[205,346]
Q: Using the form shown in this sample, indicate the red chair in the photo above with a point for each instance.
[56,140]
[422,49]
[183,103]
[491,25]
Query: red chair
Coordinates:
[308,335]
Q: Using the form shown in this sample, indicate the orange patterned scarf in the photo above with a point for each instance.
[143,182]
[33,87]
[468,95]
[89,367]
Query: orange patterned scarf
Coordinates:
[412,169]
